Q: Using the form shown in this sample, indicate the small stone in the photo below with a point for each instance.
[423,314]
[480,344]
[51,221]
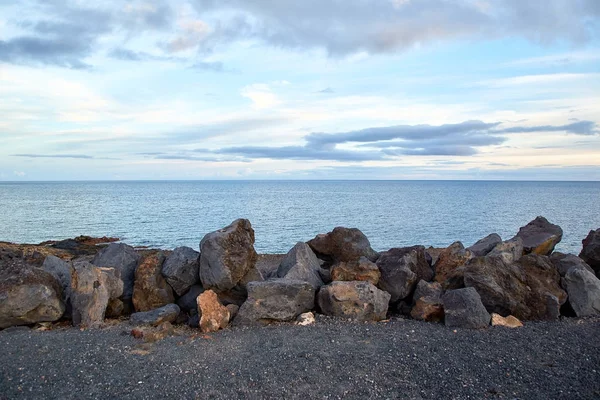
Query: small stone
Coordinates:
[169,313]
[509,322]
[307,318]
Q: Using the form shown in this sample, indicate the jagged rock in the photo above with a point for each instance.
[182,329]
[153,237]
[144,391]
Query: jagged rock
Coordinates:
[168,313]
[508,322]
[213,315]
[509,251]
[449,263]
[583,288]
[428,289]
[357,270]
[564,262]
[307,318]
[150,289]
[233,311]
[268,264]
[428,309]
[357,300]
[124,259]
[227,255]
[181,269]
[342,244]
[27,294]
[114,308]
[591,250]
[91,290]
[82,245]
[187,302]
[301,263]
[238,294]
[540,236]
[401,269]
[463,309]
[529,289]
[62,272]
[483,246]
[275,300]
[433,253]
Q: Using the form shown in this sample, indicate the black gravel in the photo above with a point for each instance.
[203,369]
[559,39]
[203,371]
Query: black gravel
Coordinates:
[399,359]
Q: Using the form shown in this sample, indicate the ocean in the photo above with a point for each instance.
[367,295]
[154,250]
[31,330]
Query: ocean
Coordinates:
[167,214]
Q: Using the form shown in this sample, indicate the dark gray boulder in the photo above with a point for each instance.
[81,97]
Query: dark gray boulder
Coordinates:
[181,269]
[483,246]
[62,272]
[508,251]
[590,253]
[187,302]
[564,262]
[358,300]
[583,288]
[301,264]
[463,309]
[227,255]
[342,244]
[401,269]
[124,259]
[168,313]
[540,236]
[428,289]
[275,300]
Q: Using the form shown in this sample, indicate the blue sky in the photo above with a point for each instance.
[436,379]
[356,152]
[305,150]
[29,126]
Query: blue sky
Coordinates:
[257,89]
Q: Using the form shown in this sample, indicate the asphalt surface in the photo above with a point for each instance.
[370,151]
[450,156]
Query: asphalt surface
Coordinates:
[333,359]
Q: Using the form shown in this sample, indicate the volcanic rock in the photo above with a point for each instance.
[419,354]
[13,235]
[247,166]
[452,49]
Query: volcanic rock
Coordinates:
[357,300]
[540,236]
[181,269]
[124,259]
[509,251]
[591,250]
[449,263]
[463,309]
[62,272]
[187,302]
[168,313]
[213,315]
[564,262]
[342,244]
[150,289]
[401,269]
[301,263]
[483,246]
[583,288]
[508,322]
[357,270]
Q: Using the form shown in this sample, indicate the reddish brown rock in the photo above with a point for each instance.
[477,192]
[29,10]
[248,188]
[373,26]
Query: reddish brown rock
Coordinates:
[358,270]
[150,289]
[447,267]
[215,316]
[428,309]
[508,322]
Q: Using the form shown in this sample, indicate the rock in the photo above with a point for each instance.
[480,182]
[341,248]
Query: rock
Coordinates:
[181,269]
[227,255]
[509,322]
[428,289]
[401,269]
[433,253]
[545,295]
[483,246]
[213,315]
[275,300]
[449,263]
[357,270]
[28,295]
[91,290]
[540,236]
[114,308]
[590,253]
[428,309]
[150,289]
[463,309]
[357,300]
[307,318]
[564,262]
[509,251]
[82,245]
[342,244]
[194,321]
[168,313]
[62,272]
[268,264]
[583,288]
[301,264]
[124,259]
[188,302]
[233,311]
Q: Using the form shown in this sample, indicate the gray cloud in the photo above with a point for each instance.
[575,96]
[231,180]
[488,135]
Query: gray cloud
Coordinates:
[76,156]
[327,90]
[576,128]
[344,27]
[214,66]
[301,153]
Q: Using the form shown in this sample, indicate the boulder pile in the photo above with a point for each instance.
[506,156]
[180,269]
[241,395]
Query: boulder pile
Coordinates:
[493,282]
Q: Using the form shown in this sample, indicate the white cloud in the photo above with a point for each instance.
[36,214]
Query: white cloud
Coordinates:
[261,95]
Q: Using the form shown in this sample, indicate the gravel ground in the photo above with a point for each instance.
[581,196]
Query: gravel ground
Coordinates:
[329,360]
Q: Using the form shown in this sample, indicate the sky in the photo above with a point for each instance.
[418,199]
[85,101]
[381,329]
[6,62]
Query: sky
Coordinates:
[287,89]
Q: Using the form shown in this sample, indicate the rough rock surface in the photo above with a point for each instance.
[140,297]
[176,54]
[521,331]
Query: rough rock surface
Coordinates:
[28,295]
[564,262]
[91,290]
[508,322]
[540,236]
[583,288]
[463,309]
[307,318]
[268,264]
[150,289]
[428,289]
[428,309]
[483,246]
[124,259]
[357,270]
[275,300]
[509,251]
[168,313]
[187,302]
[301,264]
[62,272]
[590,252]
[233,311]
[227,255]
[181,269]
[401,269]
[449,263]
[433,253]
[342,244]
[357,300]
[213,315]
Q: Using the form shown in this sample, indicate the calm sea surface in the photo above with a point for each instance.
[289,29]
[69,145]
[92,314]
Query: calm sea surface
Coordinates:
[390,213]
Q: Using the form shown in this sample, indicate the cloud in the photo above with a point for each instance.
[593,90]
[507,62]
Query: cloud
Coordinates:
[214,66]
[69,156]
[301,153]
[327,90]
[261,95]
[576,128]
